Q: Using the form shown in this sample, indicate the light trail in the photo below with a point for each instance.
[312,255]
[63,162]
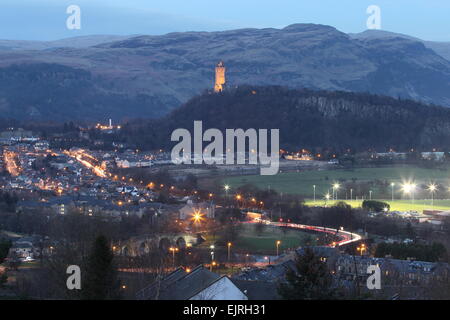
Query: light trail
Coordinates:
[346,237]
[80,156]
[11,164]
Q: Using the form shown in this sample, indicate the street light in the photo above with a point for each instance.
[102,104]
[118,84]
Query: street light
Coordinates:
[229,249]
[432,188]
[392,190]
[278,242]
[226,187]
[361,248]
[409,188]
[197,216]
[327,197]
[212,252]
[335,190]
[314,188]
[173,250]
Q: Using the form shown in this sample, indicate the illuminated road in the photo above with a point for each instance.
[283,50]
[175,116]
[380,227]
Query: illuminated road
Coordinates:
[88,161]
[346,237]
[11,164]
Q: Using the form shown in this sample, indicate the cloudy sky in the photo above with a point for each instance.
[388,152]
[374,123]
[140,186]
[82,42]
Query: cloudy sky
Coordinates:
[46,19]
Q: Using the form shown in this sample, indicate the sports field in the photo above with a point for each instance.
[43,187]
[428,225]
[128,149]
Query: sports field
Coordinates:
[396,205]
[302,183]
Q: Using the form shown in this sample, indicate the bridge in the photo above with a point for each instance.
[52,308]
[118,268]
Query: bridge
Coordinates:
[141,245]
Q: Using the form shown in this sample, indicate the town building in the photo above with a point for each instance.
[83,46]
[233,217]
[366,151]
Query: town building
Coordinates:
[197,284]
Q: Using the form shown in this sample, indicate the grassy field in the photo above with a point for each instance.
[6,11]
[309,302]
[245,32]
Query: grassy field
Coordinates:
[302,182]
[250,241]
[397,205]
[265,242]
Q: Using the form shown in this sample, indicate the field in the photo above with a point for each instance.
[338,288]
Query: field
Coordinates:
[302,183]
[396,205]
[249,240]
[265,242]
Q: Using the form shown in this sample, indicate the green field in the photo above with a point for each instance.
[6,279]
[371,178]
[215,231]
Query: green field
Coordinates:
[301,183]
[265,242]
[397,205]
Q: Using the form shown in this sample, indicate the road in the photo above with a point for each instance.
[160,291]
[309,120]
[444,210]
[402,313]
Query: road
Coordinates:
[12,167]
[346,237]
[88,161]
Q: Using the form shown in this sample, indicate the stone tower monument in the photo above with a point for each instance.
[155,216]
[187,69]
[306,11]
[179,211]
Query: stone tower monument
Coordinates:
[220,77]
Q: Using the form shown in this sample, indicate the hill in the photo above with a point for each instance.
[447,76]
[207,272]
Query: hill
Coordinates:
[172,68]
[306,119]
[59,93]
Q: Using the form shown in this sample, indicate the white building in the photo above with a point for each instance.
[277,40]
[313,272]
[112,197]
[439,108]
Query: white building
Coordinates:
[221,289]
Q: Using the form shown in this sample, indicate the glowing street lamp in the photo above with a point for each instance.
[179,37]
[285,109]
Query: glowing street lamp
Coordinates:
[335,190]
[432,188]
[409,188]
[226,187]
[362,248]
[327,198]
[173,250]
[229,250]
[238,198]
[278,242]
[197,216]
[314,190]
[212,252]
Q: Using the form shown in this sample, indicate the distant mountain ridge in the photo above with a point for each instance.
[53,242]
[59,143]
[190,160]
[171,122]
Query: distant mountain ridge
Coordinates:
[172,68]
[74,42]
[440,47]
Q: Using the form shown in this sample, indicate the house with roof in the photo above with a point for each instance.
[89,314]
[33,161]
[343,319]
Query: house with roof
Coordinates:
[196,284]
[271,273]
[393,271]
[258,290]
[133,162]
[25,247]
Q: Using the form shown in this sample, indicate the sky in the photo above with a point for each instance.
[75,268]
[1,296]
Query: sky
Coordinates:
[46,19]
